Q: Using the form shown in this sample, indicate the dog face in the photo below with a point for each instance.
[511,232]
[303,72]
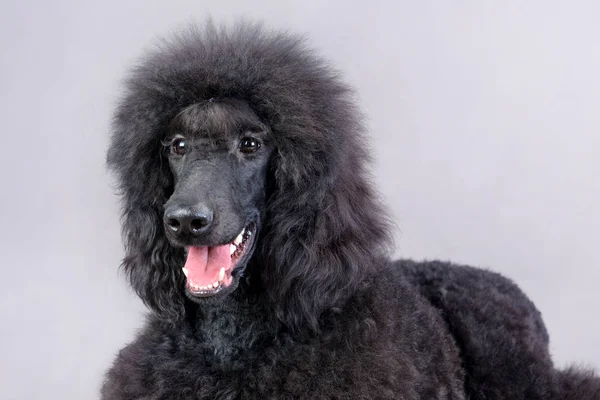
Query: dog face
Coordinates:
[218,154]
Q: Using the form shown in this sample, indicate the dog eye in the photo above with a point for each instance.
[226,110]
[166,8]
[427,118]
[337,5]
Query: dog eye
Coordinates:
[249,145]
[178,146]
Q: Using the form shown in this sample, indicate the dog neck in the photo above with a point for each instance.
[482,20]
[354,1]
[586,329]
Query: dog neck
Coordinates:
[230,329]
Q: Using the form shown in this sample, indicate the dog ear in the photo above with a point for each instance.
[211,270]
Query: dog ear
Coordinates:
[325,229]
[149,262]
[145,183]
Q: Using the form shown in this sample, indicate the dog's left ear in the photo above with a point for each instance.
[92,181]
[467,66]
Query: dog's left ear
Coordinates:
[325,229]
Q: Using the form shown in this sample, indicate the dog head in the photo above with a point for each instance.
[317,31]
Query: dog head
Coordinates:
[239,153]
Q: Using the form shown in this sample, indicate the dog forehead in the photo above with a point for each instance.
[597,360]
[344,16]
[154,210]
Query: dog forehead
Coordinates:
[216,119]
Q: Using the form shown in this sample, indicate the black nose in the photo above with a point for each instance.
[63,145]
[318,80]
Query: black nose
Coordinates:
[194,220]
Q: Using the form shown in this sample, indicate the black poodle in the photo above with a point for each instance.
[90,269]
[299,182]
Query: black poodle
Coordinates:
[253,235]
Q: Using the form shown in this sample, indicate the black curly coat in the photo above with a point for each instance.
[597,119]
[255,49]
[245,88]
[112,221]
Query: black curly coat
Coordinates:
[315,310]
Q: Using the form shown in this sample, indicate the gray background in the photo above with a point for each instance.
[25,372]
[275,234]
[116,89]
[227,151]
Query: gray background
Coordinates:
[484,118]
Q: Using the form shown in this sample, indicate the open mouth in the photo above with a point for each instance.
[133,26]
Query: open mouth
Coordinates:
[208,269]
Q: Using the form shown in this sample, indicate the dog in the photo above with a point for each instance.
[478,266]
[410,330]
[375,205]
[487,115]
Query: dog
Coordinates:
[254,236]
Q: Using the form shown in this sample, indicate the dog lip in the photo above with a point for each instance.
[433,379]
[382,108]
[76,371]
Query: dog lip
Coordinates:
[250,227]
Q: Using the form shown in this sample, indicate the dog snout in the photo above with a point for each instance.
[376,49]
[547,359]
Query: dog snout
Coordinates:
[195,220]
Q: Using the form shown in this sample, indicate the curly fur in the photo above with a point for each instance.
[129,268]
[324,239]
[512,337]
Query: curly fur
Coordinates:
[321,314]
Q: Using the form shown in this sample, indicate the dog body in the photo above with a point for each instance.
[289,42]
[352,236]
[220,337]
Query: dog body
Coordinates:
[234,351]
[254,237]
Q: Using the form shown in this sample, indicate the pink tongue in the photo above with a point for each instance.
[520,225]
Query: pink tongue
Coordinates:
[203,264]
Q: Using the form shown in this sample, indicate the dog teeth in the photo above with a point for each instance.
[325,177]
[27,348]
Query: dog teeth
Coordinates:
[232,249]
[208,288]
[212,287]
[239,238]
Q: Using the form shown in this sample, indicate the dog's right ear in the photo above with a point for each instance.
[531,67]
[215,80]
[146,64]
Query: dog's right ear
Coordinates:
[145,182]
[149,262]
